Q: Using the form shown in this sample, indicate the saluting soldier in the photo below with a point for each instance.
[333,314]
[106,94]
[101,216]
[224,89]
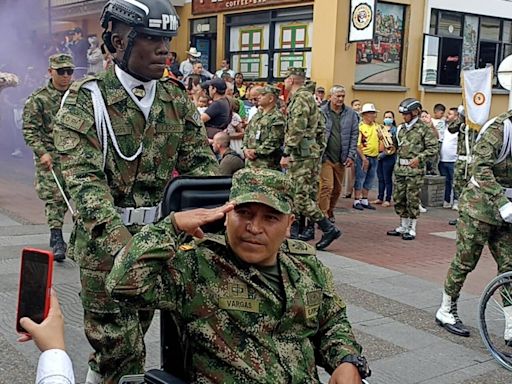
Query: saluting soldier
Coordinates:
[304,145]
[38,118]
[120,135]
[485,217]
[264,136]
[415,143]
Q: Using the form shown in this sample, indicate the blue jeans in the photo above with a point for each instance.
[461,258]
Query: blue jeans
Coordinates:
[364,179]
[385,175]
[446,169]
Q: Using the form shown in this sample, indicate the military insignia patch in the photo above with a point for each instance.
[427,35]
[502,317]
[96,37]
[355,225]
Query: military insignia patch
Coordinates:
[237,290]
[185,247]
[73,122]
[66,140]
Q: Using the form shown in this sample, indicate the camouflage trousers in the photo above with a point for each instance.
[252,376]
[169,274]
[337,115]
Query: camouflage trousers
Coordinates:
[472,235]
[305,176]
[116,333]
[460,179]
[54,205]
[407,195]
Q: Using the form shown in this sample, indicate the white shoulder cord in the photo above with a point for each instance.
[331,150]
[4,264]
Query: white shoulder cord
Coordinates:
[506,149]
[103,124]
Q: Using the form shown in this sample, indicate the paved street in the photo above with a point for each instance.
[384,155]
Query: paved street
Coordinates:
[392,289]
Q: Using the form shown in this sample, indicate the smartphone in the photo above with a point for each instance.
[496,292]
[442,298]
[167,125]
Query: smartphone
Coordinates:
[35,284]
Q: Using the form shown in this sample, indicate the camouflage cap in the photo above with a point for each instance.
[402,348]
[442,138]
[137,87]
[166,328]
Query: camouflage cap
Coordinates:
[296,71]
[264,186]
[269,89]
[60,60]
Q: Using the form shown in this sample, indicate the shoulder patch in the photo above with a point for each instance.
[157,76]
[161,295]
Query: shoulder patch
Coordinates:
[299,247]
[65,140]
[176,82]
[212,237]
[76,85]
[186,247]
[75,123]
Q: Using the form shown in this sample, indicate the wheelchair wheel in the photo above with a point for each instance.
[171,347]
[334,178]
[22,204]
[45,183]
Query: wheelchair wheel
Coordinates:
[491,320]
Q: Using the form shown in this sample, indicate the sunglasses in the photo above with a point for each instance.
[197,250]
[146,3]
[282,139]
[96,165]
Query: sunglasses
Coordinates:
[62,71]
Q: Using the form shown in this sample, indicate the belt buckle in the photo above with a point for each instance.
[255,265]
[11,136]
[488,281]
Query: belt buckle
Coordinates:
[137,216]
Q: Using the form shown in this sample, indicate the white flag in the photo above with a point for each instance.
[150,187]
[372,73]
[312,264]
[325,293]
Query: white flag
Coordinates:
[477,95]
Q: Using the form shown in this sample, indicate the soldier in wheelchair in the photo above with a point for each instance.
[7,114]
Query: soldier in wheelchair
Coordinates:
[254,306]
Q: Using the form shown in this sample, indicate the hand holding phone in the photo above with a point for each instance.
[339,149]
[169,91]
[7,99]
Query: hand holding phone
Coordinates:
[34,288]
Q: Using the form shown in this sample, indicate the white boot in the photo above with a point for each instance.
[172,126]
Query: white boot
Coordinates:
[448,318]
[412,227]
[93,377]
[398,231]
[507,311]
[410,234]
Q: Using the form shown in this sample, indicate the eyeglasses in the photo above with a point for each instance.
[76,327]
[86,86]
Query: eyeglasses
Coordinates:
[62,71]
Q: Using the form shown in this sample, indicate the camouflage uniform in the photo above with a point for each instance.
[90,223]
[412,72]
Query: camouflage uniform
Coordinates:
[462,167]
[265,134]
[172,137]
[38,115]
[305,143]
[416,142]
[480,221]
[240,329]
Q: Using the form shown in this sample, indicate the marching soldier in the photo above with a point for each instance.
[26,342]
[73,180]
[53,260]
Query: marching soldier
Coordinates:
[38,118]
[120,136]
[485,217]
[264,135]
[304,144]
[415,143]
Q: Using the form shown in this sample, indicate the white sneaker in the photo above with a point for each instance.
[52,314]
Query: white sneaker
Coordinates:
[455,205]
[446,205]
[423,209]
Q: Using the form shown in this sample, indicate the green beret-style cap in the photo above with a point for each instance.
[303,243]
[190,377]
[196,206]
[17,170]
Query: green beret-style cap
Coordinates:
[270,89]
[264,186]
[60,60]
[296,71]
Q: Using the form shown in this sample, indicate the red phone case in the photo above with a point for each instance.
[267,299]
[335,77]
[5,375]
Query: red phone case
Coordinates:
[49,256]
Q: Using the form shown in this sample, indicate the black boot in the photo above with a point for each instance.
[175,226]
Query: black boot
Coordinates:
[58,245]
[294,230]
[330,233]
[309,232]
[453,222]
[448,317]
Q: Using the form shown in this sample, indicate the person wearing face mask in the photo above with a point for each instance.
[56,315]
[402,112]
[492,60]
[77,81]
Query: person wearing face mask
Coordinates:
[120,135]
[386,162]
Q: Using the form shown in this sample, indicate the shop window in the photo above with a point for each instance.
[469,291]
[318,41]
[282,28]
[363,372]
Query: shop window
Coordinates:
[458,42]
[379,61]
[264,45]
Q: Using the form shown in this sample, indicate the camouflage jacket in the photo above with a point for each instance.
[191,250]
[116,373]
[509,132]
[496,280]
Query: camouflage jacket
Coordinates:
[305,126]
[173,137]
[484,195]
[265,134]
[38,115]
[239,329]
[464,131]
[417,142]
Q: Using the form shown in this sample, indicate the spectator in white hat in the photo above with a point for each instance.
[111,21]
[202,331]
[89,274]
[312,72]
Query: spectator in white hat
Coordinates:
[368,152]
[187,65]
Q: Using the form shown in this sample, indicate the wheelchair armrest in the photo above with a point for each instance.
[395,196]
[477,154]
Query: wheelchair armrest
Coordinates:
[157,376]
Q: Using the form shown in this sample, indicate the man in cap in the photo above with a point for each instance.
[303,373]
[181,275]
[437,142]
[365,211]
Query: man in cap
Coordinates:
[304,144]
[38,118]
[120,135]
[415,143]
[320,96]
[187,66]
[485,217]
[254,306]
[264,136]
[218,114]
[79,47]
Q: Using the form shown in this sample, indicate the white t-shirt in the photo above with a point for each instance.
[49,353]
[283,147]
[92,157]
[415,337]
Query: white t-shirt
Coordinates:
[449,147]
[440,125]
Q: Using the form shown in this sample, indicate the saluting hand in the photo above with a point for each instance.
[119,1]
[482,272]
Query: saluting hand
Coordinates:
[191,221]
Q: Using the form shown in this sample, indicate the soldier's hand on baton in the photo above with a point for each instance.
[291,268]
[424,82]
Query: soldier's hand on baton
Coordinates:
[191,221]
[414,163]
[46,161]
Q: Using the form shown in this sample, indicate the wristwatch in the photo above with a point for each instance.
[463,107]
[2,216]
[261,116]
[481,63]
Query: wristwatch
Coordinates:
[360,363]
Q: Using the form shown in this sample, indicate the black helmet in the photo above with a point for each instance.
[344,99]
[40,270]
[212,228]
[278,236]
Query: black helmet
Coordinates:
[408,105]
[151,17]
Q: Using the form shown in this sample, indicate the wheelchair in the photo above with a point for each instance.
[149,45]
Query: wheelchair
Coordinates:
[182,193]
[493,312]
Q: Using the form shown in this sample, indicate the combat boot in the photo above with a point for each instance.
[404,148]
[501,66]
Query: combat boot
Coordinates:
[58,245]
[448,318]
[330,233]
[507,311]
[399,231]
[93,377]
[294,230]
[309,231]
[410,234]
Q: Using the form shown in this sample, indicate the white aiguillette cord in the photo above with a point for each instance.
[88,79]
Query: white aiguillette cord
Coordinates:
[62,193]
[103,124]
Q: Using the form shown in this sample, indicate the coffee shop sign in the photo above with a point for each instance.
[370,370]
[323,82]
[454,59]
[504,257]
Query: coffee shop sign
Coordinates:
[212,6]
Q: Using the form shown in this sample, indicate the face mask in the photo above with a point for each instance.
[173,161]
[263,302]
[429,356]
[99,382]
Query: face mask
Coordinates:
[388,121]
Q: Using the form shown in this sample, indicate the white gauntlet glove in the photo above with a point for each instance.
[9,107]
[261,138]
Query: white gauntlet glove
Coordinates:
[506,212]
